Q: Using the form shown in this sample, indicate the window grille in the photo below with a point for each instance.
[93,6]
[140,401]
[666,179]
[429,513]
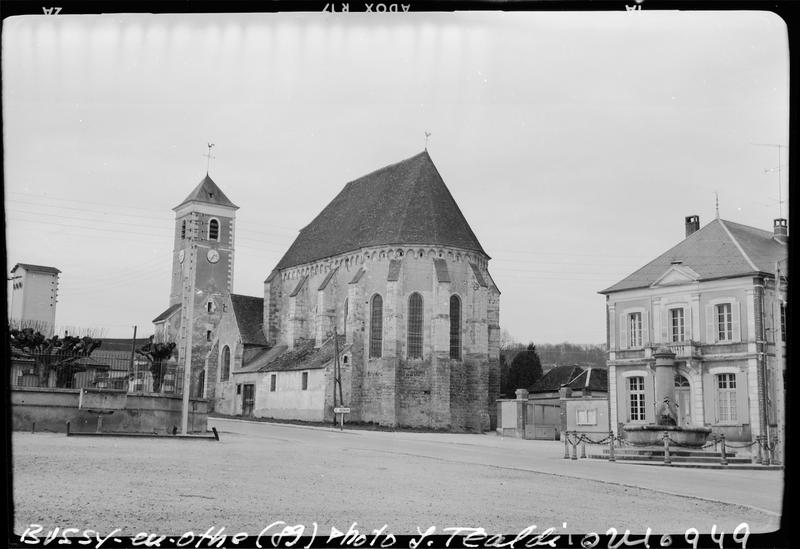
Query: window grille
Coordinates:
[213,230]
[636,394]
[455,328]
[415,326]
[376,327]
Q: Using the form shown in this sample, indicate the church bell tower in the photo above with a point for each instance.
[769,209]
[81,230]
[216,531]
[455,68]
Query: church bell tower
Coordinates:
[202,270]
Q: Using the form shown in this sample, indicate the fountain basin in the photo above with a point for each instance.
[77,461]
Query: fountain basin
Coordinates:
[654,434]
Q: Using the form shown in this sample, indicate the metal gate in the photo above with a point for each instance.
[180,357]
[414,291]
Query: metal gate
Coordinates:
[542,420]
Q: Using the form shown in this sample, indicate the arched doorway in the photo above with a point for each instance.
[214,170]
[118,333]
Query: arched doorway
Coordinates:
[683,398]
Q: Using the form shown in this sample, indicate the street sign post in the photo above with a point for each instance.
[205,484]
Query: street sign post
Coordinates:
[341,411]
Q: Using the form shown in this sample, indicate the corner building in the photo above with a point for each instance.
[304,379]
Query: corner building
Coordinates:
[392,266]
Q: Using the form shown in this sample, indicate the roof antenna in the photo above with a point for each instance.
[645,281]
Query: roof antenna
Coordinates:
[208,155]
[716,199]
[778,146]
[427,135]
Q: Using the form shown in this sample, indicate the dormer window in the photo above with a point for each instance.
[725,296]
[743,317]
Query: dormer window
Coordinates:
[213,230]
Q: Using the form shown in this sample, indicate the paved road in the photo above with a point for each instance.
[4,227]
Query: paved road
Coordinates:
[261,472]
[761,490]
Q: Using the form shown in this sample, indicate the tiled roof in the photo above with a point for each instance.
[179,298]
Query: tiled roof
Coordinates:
[38,268]
[168,313]
[208,192]
[393,273]
[249,314]
[721,249]
[573,377]
[404,203]
[303,357]
[478,276]
[442,274]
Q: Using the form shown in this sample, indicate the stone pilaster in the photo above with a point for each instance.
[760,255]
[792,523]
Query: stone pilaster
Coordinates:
[440,357]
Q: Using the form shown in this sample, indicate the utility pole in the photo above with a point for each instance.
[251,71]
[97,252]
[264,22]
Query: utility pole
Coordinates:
[187,326]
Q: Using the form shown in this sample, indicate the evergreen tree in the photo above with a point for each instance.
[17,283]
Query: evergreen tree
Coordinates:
[525,369]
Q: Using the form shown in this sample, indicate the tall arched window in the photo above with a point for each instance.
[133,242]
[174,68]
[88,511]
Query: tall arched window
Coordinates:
[344,318]
[455,327]
[213,230]
[225,364]
[183,229]
[415,326]
[376,327]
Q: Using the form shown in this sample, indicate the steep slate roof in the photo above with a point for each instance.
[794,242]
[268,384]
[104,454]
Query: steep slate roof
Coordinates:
[303,357]
[207,191]
[721,249]
[573,377]
[37,268]
[404,203]
[168,313]
[249,314]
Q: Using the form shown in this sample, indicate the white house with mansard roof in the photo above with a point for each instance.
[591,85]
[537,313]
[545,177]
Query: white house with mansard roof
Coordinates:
[717,300]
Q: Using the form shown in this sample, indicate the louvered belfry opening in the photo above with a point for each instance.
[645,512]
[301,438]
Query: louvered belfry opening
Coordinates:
[415,326]
[455,328]
[376,327]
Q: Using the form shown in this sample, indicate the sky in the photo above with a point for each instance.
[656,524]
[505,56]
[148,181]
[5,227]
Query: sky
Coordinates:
[574,143]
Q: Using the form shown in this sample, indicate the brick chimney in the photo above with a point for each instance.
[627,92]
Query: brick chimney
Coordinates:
[780,230]
[692,224]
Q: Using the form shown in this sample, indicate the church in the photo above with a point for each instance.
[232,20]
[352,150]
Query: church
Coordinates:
[383,304]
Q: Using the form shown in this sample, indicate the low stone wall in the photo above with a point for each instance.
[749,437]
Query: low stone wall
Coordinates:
[50,409]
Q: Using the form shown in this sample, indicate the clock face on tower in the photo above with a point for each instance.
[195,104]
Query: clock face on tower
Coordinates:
[212,256]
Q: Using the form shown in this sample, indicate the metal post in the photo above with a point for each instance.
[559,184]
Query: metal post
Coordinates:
[341,422]
[133,355]
[716,443]
[667,460]
[724,453]
[583,448]
[574,450]
[566,443]
[611,456]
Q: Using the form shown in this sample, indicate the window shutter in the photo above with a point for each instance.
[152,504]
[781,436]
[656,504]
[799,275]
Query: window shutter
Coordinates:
[645,329]
[687,324]
[623,331]
[666,325]
[627,414]
[711,336]
[742,399]
[736,334]
[710,399]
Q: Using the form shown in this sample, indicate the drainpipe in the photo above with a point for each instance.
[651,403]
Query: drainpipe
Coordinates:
[761,356]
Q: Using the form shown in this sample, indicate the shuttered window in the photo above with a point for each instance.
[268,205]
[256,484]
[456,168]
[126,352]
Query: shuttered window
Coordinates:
[636,398]
[415,326]
[677,325]
[635,330]
[724,321]
[455,328]
[213,230]
[376,327]
[726,398]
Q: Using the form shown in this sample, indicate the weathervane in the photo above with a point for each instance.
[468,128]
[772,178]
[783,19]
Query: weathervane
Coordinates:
[208,155]
[427,135]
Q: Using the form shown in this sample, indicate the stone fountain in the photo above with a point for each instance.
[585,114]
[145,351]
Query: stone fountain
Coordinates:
[666,416]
